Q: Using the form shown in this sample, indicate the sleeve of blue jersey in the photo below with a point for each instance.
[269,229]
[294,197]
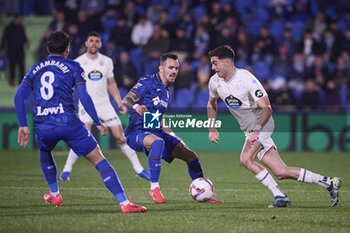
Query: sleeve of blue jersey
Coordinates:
[80,76]
[22,93]
[87,103]
[140,88]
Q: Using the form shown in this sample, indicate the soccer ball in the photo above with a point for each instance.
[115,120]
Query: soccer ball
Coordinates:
[201,189]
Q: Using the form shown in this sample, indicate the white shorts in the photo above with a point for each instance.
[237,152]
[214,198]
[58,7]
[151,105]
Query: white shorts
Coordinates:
[265,140]
[106,114]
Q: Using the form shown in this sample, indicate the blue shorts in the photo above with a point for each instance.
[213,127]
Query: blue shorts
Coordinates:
[135,141]
[77,137]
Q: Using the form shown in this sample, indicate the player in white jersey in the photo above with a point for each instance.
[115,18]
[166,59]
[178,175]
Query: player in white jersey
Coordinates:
[248,102]
[99,82]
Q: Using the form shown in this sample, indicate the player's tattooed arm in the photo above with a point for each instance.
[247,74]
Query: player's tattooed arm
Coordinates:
[131,99]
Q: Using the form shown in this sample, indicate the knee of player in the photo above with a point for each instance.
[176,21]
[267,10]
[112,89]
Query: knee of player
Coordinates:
[188,154]
[281,174]
[121,140]
[245,161]
[156,149]
[158,143]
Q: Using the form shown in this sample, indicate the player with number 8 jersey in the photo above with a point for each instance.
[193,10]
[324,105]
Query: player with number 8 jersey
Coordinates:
[53,81]
[51,75]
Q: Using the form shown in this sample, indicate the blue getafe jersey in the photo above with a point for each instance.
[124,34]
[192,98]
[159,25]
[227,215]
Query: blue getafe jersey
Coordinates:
[154,95]
[53,80]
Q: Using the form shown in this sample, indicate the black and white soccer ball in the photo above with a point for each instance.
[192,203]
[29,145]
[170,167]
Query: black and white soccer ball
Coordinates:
[201,189]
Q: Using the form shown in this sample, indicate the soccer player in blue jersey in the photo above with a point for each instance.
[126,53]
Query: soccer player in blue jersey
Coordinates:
[99,84]
[53,81]
[151,95]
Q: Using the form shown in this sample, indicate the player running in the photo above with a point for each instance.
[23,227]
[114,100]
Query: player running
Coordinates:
[249,104]
[53,81]
[151,94]
[100,80]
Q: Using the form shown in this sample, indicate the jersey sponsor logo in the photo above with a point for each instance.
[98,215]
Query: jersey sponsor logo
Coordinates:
[95,75]
[152,120]
[53,110]
[258,93]
[233,102]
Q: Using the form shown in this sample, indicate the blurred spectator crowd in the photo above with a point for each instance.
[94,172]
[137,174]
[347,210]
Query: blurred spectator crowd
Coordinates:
[299,50]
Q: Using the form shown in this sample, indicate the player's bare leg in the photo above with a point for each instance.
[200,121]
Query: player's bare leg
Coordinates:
[247,158]
[155,146]
[117,132]
[274,162]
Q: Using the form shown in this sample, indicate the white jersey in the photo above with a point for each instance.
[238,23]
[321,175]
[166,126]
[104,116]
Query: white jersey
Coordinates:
[240,95]
[97,71]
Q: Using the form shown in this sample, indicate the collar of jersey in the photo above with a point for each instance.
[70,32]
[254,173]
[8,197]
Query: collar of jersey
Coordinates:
[160,80]
[56,55]
[234,75]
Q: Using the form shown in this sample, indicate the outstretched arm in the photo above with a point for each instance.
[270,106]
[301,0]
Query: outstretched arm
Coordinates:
[211,112]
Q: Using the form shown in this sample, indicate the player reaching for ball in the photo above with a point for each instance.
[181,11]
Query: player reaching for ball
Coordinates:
[150,97]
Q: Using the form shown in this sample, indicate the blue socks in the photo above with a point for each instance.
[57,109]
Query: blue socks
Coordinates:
[111,180]
[195,169]
[48,167]
[155,159]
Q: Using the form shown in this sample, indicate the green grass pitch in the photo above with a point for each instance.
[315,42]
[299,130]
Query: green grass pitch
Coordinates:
[89,207]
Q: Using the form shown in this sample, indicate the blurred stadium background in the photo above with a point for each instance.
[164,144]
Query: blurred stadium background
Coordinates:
[299,50]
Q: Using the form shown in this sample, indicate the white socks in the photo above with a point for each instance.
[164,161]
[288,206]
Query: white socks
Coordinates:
[126,202]
[266,179]
[306,176]
[54,193]
[154,185]
[72,158]
[132,156]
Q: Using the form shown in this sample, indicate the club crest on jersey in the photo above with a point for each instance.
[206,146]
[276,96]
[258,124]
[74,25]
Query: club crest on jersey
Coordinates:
[233,102]
[156,100]
[258,93]
[95,75]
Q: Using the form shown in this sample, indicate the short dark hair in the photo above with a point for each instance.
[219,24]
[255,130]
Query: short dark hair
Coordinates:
[223,51]
[58,42]
[166,56]
[95,34]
